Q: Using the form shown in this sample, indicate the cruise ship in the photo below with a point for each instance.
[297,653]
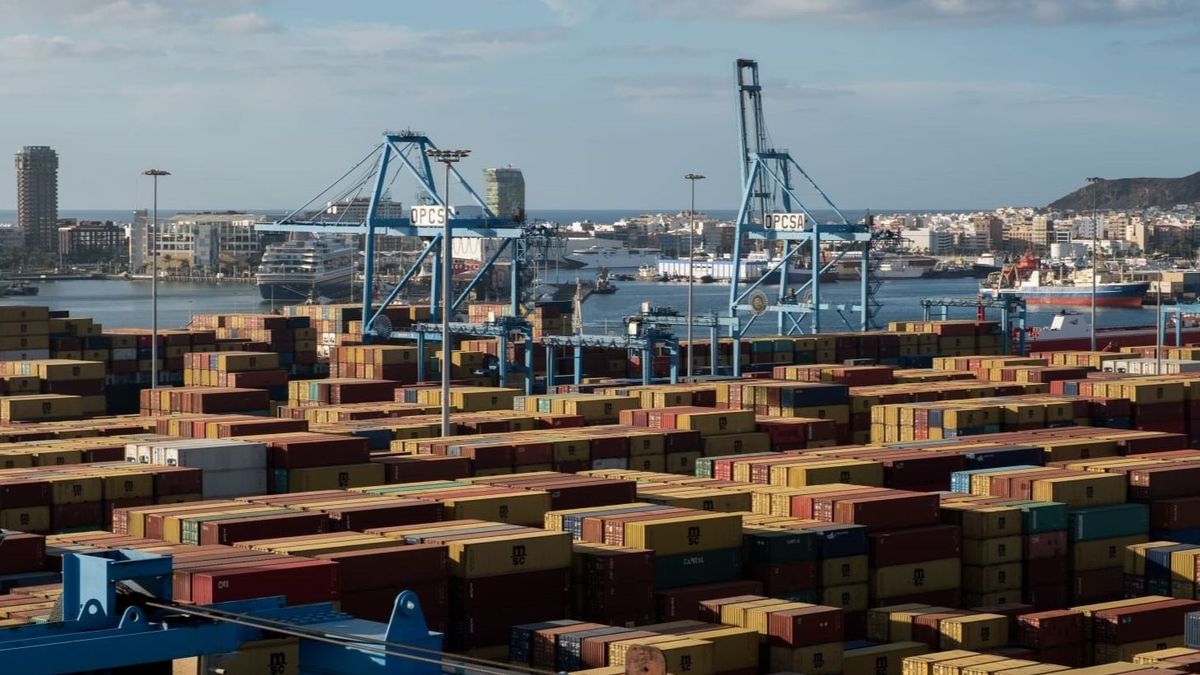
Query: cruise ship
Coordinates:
[610,254]
[300,269]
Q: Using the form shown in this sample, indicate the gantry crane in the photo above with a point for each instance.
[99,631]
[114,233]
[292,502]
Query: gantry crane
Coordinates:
[771,211]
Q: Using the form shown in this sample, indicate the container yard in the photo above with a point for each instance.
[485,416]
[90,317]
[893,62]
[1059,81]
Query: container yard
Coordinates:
[898,502]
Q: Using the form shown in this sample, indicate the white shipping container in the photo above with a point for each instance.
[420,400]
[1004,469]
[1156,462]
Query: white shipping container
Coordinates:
[234,483]
[25,355]
[124,354]
[228,455]
[611,463]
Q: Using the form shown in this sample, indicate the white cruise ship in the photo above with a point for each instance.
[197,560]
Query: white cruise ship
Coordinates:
[610,254]
[299,269]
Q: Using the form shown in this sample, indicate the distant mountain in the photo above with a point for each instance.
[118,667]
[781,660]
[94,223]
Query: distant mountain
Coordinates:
[1132,193]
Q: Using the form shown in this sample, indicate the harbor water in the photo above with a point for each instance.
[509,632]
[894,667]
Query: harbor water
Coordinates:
[126,304]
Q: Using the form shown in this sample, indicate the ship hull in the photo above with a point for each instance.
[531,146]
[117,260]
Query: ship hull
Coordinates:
[301,290]
[1108,340]
[1119,295]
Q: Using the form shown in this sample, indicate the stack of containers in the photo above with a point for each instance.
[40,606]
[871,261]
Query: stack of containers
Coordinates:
[1121,630]
[214,574]
[374,362]
[1098,538]
[164,401]
[593,408]
[292,338]
[230,468]
[336,391]
[612,585]
[992,551]
[1055,636]
[492,570]
[720,431]
[73,377]
[24,333]
[300,462]
[339,324]
[73,496]
[248,370]
[373,570]
[355,511]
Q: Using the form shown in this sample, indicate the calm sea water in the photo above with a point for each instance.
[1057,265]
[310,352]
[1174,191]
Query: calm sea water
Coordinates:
[123,304]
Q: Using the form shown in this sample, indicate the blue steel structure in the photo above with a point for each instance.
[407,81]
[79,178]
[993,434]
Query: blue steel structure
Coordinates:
[641,340]
[97,634]
[769,187]
[662,318]
[407,151]
[1012,316]
[503,328]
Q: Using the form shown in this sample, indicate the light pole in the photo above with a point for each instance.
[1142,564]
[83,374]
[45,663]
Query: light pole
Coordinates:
[154,173]
[691,349]
[447,157]
[1095,250]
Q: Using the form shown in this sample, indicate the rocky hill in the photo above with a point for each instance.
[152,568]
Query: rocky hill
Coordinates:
[1132,193]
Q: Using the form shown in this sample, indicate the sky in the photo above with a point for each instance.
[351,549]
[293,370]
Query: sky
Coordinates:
[887,104]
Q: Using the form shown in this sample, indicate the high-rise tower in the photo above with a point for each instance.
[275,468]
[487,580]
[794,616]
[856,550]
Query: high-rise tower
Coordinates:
[504,192]
[37,197]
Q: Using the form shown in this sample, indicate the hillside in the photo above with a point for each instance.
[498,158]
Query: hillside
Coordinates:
[1132,193]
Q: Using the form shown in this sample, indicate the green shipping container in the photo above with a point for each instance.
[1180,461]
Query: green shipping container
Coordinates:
[1108,522]
[692,569]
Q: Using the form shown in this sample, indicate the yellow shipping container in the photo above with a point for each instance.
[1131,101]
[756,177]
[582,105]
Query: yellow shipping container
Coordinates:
[1099,553]
[885,659]
[933,575]
[924,663]
[879,619]
[1081,491]
[850,597]
[733,649]
[956,666]
[851,569]
[991,551]
[823,659]
[1109,653]
[686,534]
[508,554]
[334,477]
[520,507]
[976,631]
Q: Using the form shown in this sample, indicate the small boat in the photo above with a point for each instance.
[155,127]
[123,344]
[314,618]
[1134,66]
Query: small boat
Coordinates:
[19,288]
[604,284]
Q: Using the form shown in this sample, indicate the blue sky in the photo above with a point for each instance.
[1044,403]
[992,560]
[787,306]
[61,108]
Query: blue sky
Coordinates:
[602,103]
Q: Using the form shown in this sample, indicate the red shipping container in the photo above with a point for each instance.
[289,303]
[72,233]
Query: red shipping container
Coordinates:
[1053,628]
[234,530]
[310,450]
[1072,655]
[1045,545]
[785,579]
[545,643]
[73,516]
[1175,514]
[1141,622]
[805,506]
[1097,585]
[916,544]
[1048,597]
[1164,482]
[394,567]
[595,649]
[684,603]
[400,512]
[1044,571]
[889,512]
[21,552]
[300,581]
[815,625]
[927,627]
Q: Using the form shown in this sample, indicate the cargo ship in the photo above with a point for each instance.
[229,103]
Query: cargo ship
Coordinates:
[299,269]
[1026,279]
[1070,331]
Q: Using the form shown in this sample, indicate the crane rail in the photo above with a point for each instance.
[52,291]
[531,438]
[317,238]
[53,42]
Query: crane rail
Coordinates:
[342,639]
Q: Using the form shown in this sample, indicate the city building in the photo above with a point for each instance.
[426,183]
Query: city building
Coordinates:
[37,197]
[203,243]
[90,240]
[504,192]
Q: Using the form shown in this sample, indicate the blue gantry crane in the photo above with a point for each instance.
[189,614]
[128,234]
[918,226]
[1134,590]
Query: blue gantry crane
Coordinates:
[772,211]
[118,612]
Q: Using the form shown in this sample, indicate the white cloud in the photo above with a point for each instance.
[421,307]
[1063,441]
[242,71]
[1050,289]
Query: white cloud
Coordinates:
[247,23]
[30,48]
[962,11]
[571,12]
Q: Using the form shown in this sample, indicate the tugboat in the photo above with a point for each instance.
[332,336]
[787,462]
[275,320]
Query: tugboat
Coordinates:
[604,285]
[19,288]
